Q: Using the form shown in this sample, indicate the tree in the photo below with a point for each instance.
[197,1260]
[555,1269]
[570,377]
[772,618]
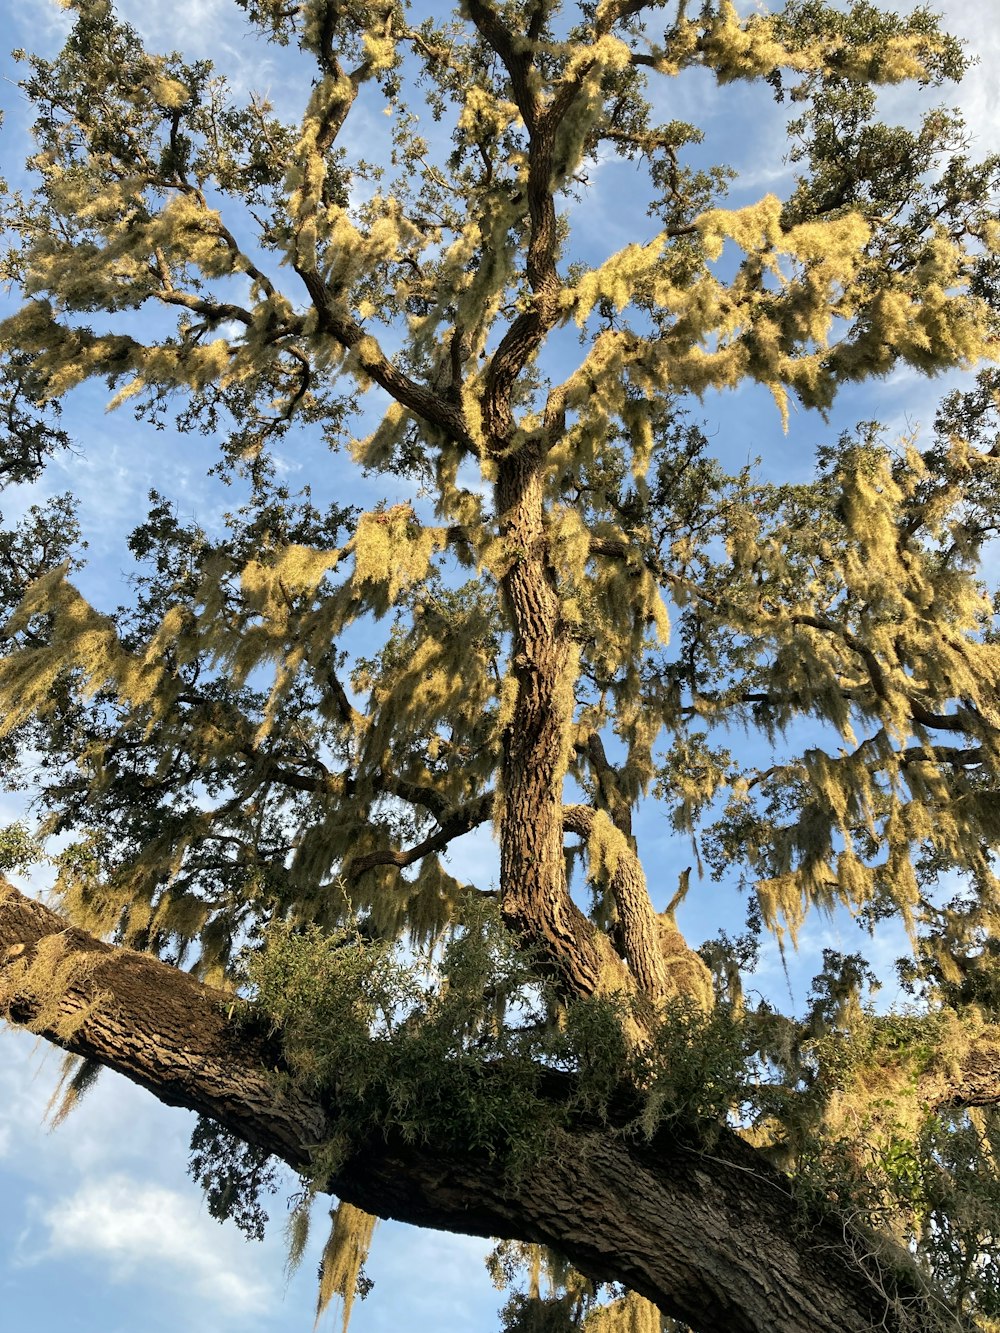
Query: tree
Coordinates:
[256,769]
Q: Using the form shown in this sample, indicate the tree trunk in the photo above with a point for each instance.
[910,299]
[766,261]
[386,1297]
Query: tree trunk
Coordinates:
[534,896]
[711,1234]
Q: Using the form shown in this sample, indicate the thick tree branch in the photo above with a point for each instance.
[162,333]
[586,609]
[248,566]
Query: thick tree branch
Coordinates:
[515,55]
[526,334]
[430,406]
[711,1234]
[157,1025]
[636,917]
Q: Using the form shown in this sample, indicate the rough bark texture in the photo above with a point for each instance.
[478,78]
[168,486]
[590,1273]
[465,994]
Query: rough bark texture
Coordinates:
[534,896]
[710,1233]
[636,918]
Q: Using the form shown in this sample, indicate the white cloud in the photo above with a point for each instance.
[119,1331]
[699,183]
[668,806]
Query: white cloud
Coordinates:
[132,1228]
[977,94]
[193,25]
[116,1127]
[106,1193]
[47,24]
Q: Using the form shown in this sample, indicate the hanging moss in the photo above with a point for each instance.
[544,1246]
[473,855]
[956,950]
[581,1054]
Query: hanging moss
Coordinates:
[281,738]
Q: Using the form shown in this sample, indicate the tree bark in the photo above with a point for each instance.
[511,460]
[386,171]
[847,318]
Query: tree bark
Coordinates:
[534,896]
[711,1234]
[636,918]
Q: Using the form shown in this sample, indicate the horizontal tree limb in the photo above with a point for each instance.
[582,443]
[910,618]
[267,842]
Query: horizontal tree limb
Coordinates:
[711,1234]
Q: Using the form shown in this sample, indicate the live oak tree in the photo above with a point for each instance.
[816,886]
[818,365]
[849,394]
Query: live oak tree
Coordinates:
[256,769]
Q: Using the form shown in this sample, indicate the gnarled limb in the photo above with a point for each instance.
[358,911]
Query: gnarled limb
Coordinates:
[710,1234]
[627,883]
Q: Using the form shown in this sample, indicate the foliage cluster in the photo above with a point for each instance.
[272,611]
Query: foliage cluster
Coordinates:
[468,1058]
[419,1058]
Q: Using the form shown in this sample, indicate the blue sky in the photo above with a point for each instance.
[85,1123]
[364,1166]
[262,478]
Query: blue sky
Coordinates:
[100,1229]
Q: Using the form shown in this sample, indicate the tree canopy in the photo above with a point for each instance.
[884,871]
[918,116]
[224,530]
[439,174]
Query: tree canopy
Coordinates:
[249,779]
